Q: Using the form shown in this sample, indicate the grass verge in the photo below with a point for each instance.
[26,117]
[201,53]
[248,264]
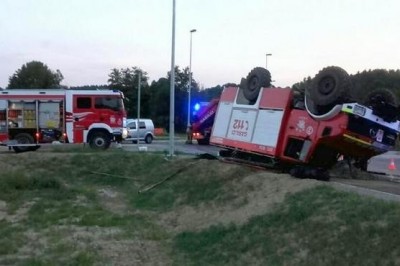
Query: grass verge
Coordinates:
[83,208]
[315,227]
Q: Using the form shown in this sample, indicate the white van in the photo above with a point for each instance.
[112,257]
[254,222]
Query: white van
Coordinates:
[146,130]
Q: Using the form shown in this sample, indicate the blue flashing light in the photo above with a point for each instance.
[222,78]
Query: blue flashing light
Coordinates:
[196,107]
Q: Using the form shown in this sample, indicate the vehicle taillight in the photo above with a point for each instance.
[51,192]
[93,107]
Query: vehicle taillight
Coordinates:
[37,135]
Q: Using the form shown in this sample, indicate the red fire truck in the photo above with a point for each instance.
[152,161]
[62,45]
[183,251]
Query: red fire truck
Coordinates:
[275,127]
[203,122]
[30,117]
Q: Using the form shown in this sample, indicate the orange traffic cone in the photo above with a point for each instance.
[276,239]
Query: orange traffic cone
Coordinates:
[392,166]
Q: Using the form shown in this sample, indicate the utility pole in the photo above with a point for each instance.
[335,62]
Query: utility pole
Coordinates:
[138,108]
[172,89]
[266,60]
[190,78]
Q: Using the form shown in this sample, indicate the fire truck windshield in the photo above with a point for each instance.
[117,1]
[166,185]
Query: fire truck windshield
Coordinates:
[107,102]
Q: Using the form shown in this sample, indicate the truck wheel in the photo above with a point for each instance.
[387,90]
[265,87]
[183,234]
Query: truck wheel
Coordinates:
[100,141]
[330,86]
[205,141]
[380,95]
[258,78]
[148,139]
[23,138]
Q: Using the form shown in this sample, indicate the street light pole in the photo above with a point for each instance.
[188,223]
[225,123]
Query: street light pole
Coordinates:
[190,78]
[138,107]
[266,60]
[172,89]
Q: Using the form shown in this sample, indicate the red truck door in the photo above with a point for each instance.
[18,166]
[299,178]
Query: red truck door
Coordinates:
[82,116]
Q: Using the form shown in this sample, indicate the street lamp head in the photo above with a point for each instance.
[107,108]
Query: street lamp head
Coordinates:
[194,30]
[269,54]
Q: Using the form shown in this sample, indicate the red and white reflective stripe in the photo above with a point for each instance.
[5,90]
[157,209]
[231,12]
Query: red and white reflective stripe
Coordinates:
[245,146]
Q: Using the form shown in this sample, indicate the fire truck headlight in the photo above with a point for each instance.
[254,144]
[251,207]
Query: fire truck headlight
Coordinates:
[124,133]
[359,110]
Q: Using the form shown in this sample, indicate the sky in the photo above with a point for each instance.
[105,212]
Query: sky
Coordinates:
[85,39]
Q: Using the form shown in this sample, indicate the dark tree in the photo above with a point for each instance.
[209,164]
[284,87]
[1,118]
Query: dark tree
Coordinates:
[159,102]
[35,75]
[367,81]
[300,87]
[208,94]
[362,83]
[126,80]
[159,99]
[90,87]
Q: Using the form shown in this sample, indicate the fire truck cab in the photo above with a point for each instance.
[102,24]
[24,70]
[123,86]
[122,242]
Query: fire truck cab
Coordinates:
[31,117]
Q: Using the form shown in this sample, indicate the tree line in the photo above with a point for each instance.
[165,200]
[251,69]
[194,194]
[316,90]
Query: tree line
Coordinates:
[155,97]
[362,83]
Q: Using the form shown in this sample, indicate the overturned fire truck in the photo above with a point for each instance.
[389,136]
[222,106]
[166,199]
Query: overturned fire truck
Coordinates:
[32,117]
[304,133]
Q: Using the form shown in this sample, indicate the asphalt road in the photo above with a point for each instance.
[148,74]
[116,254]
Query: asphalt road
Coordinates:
[382,163]
[179,147]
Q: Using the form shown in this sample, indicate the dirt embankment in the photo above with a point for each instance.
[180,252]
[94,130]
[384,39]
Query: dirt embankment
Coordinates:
[254,195]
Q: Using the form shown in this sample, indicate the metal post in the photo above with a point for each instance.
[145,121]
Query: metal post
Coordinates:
[138,109]
[266,60]
[190,79]
[172,89]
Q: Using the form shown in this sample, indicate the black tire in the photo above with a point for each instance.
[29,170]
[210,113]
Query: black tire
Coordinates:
[380,95]
[99,141]
[258,78]
[148,139]
[24,138]
[205,141]
[330,86]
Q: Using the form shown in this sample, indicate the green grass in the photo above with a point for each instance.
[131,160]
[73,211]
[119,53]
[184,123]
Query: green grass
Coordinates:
[316,227]
[11,237]
[61,195]
[64,191]
[206,185]
[79,258]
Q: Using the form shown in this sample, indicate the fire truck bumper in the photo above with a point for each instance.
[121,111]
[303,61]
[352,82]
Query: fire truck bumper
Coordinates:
[120,134]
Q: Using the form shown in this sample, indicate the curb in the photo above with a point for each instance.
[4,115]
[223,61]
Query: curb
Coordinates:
[385,177]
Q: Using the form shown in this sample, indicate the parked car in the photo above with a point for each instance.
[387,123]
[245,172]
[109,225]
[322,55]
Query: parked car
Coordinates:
[146,130]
